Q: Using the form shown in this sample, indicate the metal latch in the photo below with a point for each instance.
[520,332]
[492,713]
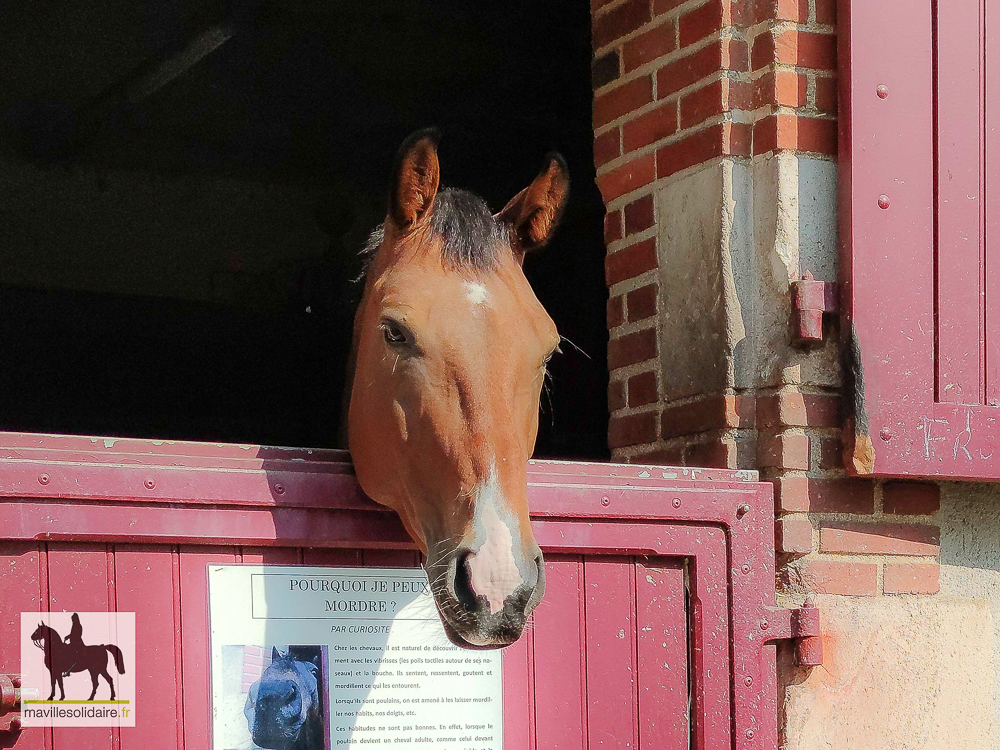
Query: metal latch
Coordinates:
[10,706]
[811,299]
[801,626]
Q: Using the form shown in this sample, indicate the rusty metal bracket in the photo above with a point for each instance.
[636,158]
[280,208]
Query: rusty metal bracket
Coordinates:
[10,704]
[801,626]
[811,300]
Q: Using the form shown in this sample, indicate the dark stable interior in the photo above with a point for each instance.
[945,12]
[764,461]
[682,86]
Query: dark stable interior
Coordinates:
[184,187]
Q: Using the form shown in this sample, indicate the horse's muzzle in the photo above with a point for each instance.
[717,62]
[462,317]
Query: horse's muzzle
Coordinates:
[475,620]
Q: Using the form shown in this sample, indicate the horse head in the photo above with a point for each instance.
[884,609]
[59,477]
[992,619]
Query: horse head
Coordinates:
[283,702]
[451,347]
[42,633]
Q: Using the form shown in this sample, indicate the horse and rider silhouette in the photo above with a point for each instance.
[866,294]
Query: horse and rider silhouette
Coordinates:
[64,657]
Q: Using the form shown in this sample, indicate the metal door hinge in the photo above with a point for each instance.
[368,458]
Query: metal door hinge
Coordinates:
[811,299]
[10,705]
[801,626]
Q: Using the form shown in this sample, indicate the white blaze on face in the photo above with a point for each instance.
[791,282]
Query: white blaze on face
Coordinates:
[475,292]
[493,570]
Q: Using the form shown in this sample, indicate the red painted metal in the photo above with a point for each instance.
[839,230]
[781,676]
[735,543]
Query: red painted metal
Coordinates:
[991,211]
[10,704]
[650,632]
[811,299]
[919,254]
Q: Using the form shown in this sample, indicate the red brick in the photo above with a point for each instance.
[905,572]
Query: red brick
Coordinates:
[880,539]
[795,133]
[765,135]
[737,138]
[826,95]
[607,146]
[630,261]
[713,99]
[764,90]
[695,149]
[831,453]
[806,49]
[660,457]
[802,494]
[907,578]
[793,535]
[665,6]
[634,429]
[659,41]
[764,10]
[739,12]
[782,87]
[737,94]
[641,303]
[690,69]
[622,99]
[616,395]
[719,453]
[792,10]
[628,177]
[596,5]
[605,69]
[642,389]
[833,577]
[736,55]
[794,409]
[650,127]
[718,412]
[612,227]
[616,311]
[911,498]
[702,104]
[639,215]
[762,53]
[826,12]
[619,21]
[812,134]
[701,22]
[632,348]
[783,451]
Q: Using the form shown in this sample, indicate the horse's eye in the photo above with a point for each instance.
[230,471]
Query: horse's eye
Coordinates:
[392,333]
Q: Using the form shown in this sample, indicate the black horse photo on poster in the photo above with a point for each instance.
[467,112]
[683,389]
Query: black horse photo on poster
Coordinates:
[63,657]
[285,708]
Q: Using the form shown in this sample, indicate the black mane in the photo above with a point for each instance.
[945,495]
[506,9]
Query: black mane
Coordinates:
[470,236]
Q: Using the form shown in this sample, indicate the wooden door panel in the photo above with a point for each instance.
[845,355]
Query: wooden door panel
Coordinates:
[560,658]
[80,581]
[641,579]
[920,237]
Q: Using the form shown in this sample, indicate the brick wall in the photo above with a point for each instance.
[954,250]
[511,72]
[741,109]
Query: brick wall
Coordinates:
[682,85]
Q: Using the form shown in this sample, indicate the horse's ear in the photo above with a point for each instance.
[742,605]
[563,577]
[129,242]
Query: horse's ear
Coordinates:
[534,213]
[415,179]
[274,653]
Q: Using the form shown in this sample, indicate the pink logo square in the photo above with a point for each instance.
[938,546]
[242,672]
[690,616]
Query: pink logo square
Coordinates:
[78,669]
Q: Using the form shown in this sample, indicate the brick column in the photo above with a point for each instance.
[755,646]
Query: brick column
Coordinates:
[715,144]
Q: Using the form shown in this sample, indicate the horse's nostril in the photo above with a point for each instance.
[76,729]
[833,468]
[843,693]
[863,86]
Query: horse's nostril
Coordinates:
[463,583]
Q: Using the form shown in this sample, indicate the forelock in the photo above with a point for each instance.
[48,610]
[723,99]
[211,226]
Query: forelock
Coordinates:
[470,236]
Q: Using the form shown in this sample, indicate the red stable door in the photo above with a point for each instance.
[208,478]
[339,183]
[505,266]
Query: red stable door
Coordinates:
[657,629]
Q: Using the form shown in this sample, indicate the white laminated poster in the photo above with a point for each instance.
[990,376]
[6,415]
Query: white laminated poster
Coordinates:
[309,658]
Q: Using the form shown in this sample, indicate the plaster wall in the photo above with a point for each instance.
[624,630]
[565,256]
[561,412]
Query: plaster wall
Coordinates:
[899,673]
[970,561]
